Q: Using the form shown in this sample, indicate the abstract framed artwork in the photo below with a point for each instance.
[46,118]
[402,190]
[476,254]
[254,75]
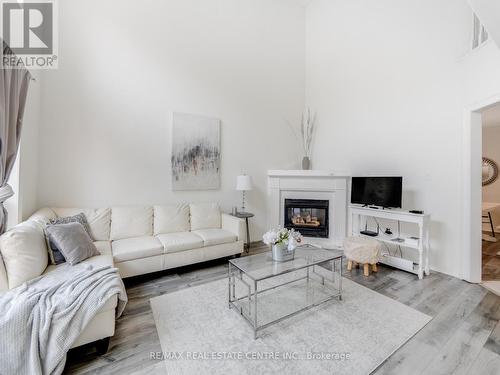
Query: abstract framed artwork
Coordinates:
[195,152]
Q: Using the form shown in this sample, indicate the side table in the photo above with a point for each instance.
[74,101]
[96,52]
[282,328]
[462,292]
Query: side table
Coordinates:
[246,216]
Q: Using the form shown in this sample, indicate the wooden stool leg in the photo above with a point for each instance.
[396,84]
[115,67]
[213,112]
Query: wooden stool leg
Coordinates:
[366,269]
[349,265]
[374,267]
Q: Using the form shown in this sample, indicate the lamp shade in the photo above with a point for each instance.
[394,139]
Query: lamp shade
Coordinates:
[244,183]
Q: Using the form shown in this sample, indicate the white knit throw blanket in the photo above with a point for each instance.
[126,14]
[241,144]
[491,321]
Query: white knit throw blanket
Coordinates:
[41,319]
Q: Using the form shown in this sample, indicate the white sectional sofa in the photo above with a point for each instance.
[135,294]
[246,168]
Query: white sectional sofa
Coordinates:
[136,240]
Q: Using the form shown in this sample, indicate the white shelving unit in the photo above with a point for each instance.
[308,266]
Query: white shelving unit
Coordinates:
[358,216]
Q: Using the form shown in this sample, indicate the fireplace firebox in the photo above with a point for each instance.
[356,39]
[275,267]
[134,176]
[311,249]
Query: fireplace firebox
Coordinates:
[308,216]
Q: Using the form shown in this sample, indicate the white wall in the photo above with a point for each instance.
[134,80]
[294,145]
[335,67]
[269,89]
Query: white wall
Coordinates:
[385,79]
[389,79]
[124,68]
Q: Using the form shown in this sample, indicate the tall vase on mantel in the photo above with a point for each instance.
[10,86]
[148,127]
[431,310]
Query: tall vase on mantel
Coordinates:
[307,131]
[306,163]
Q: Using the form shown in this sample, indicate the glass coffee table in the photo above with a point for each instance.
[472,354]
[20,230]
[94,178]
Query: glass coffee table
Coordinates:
[265,292]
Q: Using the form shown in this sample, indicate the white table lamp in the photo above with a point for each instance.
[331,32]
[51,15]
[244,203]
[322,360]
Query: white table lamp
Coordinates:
[244,183]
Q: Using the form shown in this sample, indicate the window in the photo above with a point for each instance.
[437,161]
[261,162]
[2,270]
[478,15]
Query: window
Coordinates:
[479,34]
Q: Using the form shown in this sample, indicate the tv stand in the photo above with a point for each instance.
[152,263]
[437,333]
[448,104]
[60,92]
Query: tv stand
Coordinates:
[358,216]
[377,207]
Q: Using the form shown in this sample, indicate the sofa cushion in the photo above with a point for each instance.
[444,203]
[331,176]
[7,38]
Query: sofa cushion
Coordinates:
[174,242]
[171,218]
[136,248]
[205,216]
[24,252]
[213,237]
[97,261]
[44,215]
[130,222]
[104,247]
[99,220]
[110,304]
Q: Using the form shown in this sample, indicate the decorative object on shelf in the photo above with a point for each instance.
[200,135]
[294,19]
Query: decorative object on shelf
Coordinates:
[195,152]
[283,242]
[244,184]
[412,241]
[490,171]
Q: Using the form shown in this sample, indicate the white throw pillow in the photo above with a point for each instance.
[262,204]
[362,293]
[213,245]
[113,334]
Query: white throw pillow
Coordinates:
[171,218]
[44,215]
[99,220]
[24,252]
[128,222]
[205,216]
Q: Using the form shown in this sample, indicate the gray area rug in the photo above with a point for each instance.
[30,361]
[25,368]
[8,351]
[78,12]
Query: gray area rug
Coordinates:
[199,334]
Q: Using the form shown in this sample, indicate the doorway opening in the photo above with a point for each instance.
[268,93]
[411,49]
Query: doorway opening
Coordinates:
[490,205]
[481,203]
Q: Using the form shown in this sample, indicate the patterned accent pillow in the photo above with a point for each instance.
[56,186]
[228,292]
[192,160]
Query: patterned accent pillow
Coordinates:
[56,257]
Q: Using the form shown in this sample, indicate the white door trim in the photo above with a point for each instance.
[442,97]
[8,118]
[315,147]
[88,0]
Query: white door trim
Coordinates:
[472,190]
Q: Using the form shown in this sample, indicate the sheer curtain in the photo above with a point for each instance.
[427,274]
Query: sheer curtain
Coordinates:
[13,92]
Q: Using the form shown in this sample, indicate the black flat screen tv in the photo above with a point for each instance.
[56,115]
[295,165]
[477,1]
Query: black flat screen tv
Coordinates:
[377,191]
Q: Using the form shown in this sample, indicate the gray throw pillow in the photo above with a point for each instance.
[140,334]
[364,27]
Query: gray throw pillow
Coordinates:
[72,241]
[55,255]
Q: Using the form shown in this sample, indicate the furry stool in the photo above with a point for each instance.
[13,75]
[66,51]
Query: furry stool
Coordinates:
[362,250]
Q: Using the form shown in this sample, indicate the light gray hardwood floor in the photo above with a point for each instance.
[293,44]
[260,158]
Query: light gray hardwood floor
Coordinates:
[462,338]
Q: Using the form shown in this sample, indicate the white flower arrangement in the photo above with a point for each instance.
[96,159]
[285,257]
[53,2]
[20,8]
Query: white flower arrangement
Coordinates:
[282,236]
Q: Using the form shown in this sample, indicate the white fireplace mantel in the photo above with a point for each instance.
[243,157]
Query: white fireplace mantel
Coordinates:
[300,184]
[303,173]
